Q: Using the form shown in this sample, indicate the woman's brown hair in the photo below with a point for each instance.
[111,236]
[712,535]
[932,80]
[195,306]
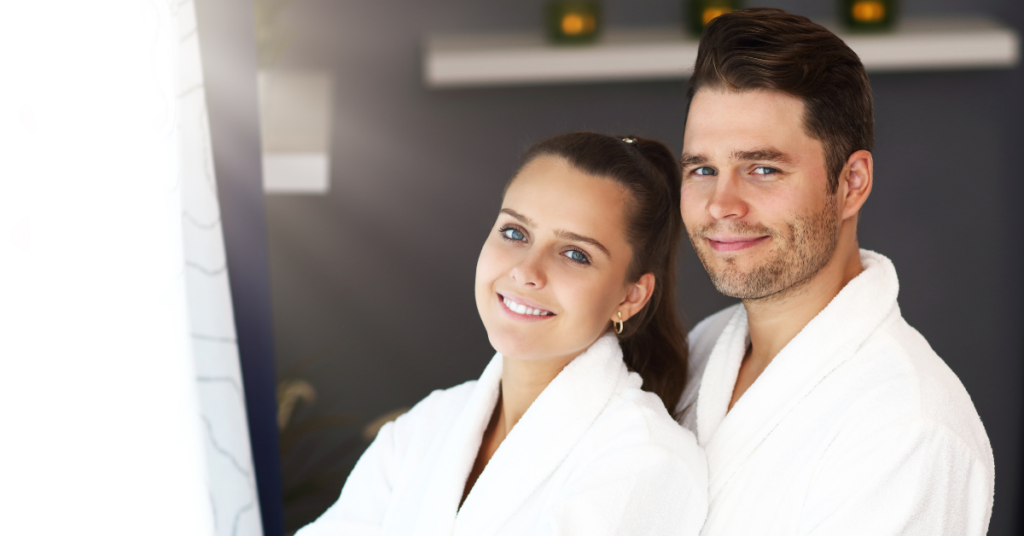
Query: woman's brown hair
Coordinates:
[653,341]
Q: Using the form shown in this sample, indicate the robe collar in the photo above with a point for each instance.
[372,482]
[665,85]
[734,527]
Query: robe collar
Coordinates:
[531,452]
[825,343]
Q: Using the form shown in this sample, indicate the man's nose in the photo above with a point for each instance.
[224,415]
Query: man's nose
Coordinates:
[726,201]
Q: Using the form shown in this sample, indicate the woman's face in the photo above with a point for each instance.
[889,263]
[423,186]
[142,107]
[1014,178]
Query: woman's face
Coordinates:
[552,273]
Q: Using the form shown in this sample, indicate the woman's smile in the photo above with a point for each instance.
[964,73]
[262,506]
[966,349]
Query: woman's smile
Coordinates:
[522,309]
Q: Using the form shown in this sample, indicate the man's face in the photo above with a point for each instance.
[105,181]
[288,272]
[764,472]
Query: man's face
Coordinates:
[755,197]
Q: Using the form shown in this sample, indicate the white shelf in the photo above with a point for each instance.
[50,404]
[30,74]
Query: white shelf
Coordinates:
[668,53]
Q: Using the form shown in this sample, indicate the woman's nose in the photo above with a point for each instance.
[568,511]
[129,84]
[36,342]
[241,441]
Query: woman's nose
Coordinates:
[529,271]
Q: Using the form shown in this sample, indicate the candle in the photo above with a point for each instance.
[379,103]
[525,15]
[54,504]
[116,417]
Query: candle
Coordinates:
[701,12]
[868,14]
[573,21]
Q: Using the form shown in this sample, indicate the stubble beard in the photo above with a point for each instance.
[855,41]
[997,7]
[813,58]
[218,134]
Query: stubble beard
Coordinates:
[800,250]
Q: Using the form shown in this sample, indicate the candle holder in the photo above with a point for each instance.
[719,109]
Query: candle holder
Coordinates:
[573,21]
[701,12]
[868,15]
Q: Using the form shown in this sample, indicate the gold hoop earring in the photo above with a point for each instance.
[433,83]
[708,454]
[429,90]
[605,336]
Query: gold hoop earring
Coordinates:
[619,326]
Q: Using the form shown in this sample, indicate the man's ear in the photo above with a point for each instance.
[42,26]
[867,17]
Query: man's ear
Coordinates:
[856,182]
[637,296]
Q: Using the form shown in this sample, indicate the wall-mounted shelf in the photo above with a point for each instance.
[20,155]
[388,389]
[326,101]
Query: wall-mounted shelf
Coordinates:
[668,53]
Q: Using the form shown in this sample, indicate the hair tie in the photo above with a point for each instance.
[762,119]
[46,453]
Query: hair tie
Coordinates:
[630,140]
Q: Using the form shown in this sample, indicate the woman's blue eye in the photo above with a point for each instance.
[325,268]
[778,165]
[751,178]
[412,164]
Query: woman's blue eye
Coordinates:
[511,233]
[704,171]
[576,255]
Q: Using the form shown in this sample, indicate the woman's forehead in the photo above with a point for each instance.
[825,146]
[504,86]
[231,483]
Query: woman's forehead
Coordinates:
[556,196]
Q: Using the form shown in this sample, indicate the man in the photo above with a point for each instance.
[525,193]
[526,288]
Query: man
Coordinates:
[822,411]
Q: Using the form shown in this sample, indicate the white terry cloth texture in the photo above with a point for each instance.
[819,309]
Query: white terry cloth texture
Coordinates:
[856,427]
[594,455]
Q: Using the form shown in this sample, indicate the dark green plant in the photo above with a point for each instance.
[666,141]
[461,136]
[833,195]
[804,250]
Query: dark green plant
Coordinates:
[311,477]
[271,40]
[701,12]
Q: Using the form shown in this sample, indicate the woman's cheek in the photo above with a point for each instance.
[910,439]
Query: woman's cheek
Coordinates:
[490,260]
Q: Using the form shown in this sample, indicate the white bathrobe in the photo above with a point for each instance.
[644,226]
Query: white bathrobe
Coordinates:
[856,427]
[593,455]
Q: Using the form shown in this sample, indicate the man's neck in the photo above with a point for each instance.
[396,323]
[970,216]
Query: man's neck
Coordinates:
[776,320]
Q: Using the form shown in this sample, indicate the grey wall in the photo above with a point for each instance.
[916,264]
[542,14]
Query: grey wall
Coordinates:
[372,284]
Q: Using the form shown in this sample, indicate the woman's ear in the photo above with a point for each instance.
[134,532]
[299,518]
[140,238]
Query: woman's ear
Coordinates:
[637,296]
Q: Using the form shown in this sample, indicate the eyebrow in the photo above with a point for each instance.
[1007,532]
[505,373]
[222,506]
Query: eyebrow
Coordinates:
[563,234]
[518,216]
[568,235]
[693,159]
[766,154]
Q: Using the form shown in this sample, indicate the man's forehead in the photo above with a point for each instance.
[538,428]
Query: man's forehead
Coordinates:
[751,112]
[741,124]
[754,97]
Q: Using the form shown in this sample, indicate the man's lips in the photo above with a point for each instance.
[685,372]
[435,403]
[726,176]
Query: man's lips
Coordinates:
[731,244]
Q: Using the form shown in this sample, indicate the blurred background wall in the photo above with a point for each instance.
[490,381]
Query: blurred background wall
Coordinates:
[372,283]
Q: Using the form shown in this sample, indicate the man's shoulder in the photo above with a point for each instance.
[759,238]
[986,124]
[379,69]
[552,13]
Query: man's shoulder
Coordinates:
[915,383]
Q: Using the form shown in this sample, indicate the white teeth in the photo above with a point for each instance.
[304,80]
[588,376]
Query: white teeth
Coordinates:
[522,309]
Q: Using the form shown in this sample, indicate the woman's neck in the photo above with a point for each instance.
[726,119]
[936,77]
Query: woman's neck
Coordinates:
[522,381]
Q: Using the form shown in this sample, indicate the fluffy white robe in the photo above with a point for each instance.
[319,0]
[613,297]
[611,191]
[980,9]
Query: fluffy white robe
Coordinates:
[856,427]
[593,455]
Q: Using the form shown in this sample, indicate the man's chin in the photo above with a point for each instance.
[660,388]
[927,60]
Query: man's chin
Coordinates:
[732,289]
[741,284]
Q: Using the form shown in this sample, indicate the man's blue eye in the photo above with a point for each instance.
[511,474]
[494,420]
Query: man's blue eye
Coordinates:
[704,171]
[764,170]
[512,233]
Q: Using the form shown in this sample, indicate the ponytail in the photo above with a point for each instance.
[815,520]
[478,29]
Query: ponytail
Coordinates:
[653,341]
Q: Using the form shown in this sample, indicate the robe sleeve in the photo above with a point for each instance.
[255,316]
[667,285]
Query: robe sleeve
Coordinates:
[647,490]
[365,497]
[911,478]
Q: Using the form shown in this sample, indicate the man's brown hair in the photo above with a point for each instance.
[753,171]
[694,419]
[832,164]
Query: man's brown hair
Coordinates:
[766,48]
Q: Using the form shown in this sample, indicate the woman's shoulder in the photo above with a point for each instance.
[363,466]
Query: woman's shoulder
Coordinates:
[642,414]
[635,442]
[636,421]
[440,404]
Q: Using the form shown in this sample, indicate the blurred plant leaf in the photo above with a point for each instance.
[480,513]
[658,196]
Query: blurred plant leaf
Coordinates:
[271,40]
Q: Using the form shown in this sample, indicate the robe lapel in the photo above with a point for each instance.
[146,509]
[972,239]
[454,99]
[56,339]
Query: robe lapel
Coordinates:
[824,344]
[456,456]
[720,375]
[543,437]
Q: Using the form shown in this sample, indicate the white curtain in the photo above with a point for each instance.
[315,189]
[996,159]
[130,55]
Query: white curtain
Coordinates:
[121,407]
[232,482]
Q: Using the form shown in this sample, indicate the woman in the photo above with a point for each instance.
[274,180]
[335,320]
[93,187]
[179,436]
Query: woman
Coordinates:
[566,431]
